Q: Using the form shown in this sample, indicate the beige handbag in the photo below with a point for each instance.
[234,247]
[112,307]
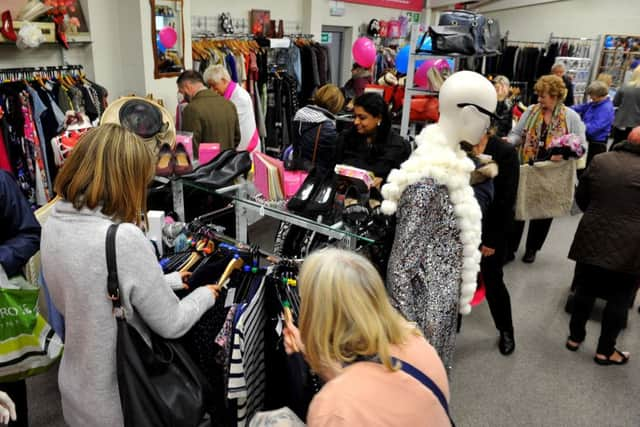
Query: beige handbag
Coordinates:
[546,190]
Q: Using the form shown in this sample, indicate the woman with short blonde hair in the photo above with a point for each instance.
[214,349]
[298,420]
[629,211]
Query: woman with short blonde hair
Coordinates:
[104,181]
[354,339]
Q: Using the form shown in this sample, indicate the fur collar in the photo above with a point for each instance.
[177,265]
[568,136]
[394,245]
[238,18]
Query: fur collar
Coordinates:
[449,166]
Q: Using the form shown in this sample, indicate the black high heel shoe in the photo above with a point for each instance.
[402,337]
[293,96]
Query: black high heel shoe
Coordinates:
[306,192]
[355,212]
[323,198]
[218,161]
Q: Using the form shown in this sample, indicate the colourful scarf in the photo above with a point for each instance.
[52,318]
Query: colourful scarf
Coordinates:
[533,129]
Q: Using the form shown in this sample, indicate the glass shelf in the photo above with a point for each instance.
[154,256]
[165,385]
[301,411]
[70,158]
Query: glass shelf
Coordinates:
[245,204]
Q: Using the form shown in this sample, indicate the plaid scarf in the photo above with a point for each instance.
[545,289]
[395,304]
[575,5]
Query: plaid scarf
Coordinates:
[533,130]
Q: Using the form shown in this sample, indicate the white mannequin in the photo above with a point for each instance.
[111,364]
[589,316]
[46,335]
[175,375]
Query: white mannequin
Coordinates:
[440,157]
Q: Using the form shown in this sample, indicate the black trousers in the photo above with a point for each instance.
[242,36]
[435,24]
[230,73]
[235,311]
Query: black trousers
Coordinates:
[18,392]
[620,135]
[595,148]
[538,231]
[496,290]
[616,288]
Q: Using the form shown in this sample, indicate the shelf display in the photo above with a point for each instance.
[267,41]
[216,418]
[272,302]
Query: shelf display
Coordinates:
[617,54]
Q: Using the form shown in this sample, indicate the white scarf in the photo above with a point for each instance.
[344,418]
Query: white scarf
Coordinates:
[449,166]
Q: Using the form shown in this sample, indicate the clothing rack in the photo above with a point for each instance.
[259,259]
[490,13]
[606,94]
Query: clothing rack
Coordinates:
[30,72]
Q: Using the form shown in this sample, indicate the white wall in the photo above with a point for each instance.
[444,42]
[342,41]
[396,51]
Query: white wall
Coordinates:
[570,18]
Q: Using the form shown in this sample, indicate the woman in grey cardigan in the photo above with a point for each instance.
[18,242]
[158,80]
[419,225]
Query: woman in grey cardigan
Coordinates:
[104,181]
[538,126]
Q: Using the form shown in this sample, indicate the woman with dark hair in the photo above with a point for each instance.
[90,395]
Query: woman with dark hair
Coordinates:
[371,144]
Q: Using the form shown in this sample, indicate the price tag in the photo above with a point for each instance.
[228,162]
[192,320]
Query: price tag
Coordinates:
[261,212]
[231,295]
[279,327]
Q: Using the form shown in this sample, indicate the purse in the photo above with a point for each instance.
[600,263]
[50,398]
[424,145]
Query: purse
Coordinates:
[295,161]
[159,385]
[452,39]
[425,109]
[473,21]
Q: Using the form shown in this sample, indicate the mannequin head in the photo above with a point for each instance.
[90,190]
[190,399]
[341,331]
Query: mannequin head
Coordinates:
[467,102]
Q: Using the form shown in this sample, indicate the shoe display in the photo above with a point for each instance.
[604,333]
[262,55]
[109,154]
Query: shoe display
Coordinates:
[507,343]
[323,199]
[217,162]
[7,27]
[306,191]
[529,257]
[182,164]
[355,211]
[165,164]
[239,164]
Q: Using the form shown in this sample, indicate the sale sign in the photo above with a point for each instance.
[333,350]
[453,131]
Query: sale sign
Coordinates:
[414,5]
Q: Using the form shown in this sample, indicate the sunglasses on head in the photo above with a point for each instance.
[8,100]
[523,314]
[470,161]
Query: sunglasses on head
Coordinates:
[479,108]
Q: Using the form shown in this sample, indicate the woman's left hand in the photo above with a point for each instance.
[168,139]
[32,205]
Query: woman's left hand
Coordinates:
[556,158]
[185,275]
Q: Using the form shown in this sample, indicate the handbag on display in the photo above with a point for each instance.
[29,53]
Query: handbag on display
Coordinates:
[159,385]
[492,38]
[425,109]
[452,39]
[474,22]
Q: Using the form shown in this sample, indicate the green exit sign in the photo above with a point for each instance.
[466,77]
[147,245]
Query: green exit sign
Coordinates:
[325,38]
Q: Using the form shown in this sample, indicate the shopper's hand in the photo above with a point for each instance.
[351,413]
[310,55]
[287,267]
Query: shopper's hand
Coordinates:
[556,158]
[7,408]
[487,251]
[292,340]
[215,290]
[184,276]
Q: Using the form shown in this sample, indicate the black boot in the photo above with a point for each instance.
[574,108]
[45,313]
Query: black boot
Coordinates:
[507,343]
[529,256]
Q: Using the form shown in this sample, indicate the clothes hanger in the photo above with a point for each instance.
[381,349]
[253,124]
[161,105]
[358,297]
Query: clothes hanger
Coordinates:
[235,264]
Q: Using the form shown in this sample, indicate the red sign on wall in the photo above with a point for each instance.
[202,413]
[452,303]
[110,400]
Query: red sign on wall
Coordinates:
[413,5]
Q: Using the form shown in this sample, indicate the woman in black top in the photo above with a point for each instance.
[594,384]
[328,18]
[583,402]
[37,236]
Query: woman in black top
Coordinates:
[371,144]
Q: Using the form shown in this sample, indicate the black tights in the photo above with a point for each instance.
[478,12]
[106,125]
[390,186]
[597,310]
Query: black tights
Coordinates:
[617,288]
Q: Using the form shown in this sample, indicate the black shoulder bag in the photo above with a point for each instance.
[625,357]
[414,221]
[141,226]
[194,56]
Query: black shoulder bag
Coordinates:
[159,386]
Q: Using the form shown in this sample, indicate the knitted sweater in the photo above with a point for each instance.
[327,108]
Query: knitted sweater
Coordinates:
[75,267]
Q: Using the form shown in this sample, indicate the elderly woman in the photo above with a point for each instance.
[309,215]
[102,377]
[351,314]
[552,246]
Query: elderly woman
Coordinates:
[597,116]
[607,262]
[538,126]
[357,342]
[503,110]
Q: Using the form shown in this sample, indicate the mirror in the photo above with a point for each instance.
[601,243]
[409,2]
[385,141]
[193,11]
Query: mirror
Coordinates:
[167,34]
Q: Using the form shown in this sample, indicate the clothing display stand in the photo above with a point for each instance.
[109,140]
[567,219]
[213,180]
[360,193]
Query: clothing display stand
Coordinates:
[615,61]
[580,71]
[245,207]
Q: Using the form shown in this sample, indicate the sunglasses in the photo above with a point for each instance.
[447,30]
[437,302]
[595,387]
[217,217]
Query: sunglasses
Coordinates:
[479,108]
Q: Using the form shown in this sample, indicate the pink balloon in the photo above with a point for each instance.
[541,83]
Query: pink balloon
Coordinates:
[168,37]
[420,78]
[364,52]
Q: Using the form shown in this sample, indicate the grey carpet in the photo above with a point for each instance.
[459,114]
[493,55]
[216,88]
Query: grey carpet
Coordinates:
[541,384]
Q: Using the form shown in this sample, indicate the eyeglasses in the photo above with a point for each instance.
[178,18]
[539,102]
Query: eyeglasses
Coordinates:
[479,108]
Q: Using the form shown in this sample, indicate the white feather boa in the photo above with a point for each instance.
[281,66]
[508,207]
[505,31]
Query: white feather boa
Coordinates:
[449,166]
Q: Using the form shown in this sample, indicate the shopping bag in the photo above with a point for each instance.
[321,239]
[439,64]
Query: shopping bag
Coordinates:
[28,345]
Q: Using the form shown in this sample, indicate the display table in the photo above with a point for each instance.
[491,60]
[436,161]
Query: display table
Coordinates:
[246,206]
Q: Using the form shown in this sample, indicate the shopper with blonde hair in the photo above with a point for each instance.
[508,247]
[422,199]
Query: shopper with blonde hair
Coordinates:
[357,342]
[627,100]
[103,182]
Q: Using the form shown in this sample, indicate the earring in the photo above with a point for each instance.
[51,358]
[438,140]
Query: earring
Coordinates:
[379,123]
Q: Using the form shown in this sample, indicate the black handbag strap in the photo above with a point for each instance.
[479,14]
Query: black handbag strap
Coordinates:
[113,287]
[315,145]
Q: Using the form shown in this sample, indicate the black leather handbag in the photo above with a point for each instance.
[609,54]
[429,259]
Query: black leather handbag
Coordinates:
[492,38]
[473,21]
[447,39]
[159,386]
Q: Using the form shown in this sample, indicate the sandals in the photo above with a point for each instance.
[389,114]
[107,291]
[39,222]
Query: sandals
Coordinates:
[609,361]
[572,347]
